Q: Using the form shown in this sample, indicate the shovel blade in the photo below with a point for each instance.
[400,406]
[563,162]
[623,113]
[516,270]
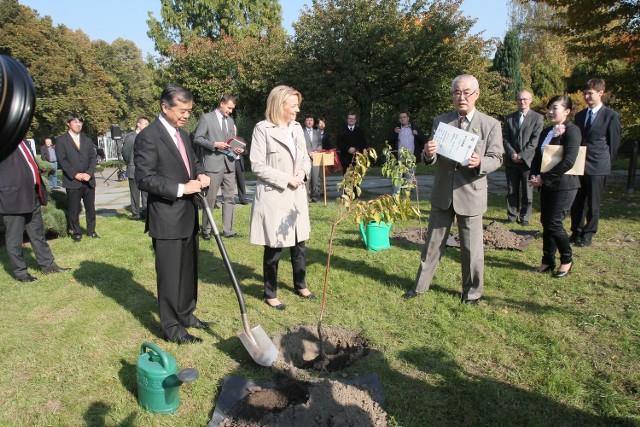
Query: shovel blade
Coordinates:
[262,350]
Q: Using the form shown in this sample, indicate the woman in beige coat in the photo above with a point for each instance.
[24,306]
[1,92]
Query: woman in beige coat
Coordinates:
[280,213]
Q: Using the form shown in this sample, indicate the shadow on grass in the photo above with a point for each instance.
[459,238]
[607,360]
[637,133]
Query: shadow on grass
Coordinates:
[458,397]
[118,284]
[96,416]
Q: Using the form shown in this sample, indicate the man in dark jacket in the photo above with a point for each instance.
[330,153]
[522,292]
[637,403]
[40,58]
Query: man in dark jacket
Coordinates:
[349,140]
[22,192]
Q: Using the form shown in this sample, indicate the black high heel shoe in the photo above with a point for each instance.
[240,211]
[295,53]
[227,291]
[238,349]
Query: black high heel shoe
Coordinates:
[563,273]
[545,268]
[277,307]
[310,296]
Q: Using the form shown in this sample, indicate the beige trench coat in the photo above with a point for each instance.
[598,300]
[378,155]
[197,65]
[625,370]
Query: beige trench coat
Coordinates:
[279,213]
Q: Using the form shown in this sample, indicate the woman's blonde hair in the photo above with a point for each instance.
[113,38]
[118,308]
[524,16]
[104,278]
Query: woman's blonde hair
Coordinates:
[276,100]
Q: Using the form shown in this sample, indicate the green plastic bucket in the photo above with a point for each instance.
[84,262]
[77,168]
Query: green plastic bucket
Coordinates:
[376,236]
[158,384]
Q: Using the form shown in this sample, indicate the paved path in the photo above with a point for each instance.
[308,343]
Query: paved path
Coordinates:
[112,194]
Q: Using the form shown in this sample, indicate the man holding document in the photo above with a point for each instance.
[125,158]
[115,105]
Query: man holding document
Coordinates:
[218,153]
[466,145]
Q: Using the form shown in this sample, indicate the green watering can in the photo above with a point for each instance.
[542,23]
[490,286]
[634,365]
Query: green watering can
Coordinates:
[376,236]
[158,383]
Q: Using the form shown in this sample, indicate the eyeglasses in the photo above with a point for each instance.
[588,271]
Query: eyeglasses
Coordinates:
[465,94]
[524,99]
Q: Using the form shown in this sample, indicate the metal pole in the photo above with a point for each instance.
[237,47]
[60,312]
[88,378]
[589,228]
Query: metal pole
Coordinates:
[633,167]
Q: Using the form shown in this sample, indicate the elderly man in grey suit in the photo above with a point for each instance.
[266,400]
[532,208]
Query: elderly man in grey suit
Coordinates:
[314,143]
[460,192]
[520,135]
[218,159]
[138,198]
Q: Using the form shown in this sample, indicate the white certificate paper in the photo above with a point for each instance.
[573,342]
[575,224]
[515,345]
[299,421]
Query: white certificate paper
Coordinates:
[455,144]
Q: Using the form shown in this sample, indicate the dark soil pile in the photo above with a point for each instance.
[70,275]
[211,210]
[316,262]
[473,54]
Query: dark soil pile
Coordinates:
[298,400]
[496,236]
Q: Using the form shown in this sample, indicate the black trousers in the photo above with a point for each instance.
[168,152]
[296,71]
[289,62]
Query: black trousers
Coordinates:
[88,197]
[242,191]
[519,193]
[270,262]
[177,281]
[138,200]
[15,226]
[554,207]
[587,205]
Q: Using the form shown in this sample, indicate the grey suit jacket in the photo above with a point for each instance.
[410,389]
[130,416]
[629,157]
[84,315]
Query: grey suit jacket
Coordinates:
[460,186]
[521,139]
[207,133]
[315,142]
[127,153]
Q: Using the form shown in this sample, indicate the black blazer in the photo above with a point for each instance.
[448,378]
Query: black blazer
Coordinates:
[17,190]
[521,139]
[347,138]
[602,140]
[419,140]
[73,160]
[555,179]
[159,170]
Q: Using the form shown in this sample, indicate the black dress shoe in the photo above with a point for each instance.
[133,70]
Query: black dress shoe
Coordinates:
[76,237]
[574,238]
[201,325]
[206,236]
[277,307]
[559,273]
[545,268]
[26,278]
[54,269]
[471,301]
[524,223]
[187,339]
[231,235]
[584,243]
[243,202]
[411,294]
[309,296]
[94,235]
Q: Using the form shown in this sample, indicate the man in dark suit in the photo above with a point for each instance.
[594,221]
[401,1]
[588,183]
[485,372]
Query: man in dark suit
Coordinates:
[48,154]
[600,127]
[166,168]
[408,136]
[77,158]
[314,144]
[219,161]
[520,134]
[22,192]
[349,140]
[460,192]
[138,198]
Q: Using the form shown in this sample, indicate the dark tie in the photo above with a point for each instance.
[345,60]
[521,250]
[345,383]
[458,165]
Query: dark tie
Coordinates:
[351,128]
[34,169]
[587,125]
[225,130]
[520,120]
[462,122]
[183,152]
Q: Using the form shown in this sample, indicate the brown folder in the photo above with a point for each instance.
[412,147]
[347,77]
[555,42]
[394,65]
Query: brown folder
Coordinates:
[552,155]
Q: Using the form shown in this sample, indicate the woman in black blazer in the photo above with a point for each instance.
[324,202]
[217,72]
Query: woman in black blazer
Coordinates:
[557,189]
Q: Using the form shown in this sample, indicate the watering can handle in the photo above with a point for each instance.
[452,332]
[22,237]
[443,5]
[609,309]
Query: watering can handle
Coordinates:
[162,354]
[364,233]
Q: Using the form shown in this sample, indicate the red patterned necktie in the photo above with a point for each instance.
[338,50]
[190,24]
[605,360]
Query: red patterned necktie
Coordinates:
[34,168]
[183,152]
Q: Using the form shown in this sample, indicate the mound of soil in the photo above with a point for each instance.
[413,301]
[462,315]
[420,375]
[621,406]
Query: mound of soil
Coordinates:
[495,236]
[296,399]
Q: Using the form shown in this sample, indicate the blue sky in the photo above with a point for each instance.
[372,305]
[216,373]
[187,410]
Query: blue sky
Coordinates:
[108,20]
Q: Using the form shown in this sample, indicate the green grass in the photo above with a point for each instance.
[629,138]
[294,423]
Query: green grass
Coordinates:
[538,351]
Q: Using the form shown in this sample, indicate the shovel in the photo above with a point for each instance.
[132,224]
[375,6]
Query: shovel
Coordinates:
[262,350]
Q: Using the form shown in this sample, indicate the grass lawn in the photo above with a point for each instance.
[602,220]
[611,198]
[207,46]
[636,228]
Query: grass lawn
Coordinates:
[538,351]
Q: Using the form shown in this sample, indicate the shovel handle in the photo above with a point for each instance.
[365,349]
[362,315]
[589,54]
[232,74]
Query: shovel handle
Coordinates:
[227,263]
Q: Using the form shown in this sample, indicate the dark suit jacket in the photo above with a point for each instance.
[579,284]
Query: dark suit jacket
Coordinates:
[521,139]
[17,190]
[555,179]
[73,160]
[159,170]
[326,140]
[347,139]
[419,140]
[602,140]
[127,153]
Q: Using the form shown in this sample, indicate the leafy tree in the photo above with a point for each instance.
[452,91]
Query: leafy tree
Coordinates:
[186,20]
[507,63]
[374,57]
